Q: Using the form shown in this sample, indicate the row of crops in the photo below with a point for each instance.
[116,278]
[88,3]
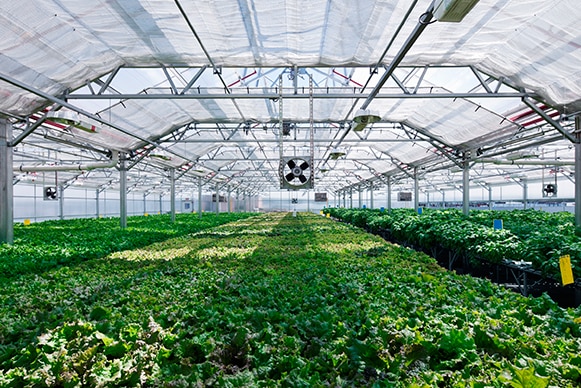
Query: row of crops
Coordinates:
[39,247]
[272,300]
[538,237]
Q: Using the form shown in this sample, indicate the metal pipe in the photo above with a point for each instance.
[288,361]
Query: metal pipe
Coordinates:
[525,193]
[396,33]
[578,175]
[351,197]
[466,189]
[517,162]
[75,167]
[6,184]
[416,189]
[549,119]
[388,193]
[217,199]
[68,105]
[97,210]
[260,94]
[123,192]
[305,141]
[61,202]
[199,197]
[420,27]
[29,130]
[172,178]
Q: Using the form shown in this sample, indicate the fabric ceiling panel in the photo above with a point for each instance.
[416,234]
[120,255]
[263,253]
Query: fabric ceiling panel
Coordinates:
[454,121]
[534,44]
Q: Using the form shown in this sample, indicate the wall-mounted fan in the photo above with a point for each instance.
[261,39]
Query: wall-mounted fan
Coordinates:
[550,190]
[50,193]
[295,173]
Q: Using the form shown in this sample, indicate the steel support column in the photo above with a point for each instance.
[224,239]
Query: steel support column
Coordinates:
[229,199]
[6,184]
[525,193]
[199,197]
[578,175]
[217,200]
[61,189]
[371,197]
[416,189]
[97,193]
[123,190]
[359,196]
[351,198]
[466,189]
[172,200]
[388,194]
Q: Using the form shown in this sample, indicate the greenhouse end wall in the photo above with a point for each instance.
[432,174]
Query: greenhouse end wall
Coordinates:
[29,203]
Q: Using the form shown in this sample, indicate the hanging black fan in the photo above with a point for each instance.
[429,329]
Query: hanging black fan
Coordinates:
[295,173]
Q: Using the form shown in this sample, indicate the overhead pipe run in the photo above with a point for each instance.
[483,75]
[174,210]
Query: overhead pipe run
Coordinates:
[73,167]
[550,120]
[517,162]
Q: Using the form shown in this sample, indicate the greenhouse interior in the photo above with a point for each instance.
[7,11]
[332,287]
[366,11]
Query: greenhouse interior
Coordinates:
[228,193]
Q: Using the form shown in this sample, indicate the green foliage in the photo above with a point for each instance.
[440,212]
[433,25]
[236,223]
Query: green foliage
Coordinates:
[276,300]
[52,244]
[528,235]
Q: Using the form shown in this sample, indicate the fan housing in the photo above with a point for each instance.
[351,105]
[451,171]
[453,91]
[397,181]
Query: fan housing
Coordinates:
[296,173]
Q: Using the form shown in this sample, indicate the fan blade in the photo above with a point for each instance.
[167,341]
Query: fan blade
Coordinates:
[302,178]
[304,166]
[289,177]
[291,164]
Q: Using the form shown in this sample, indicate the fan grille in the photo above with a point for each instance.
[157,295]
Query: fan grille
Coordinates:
[296,173]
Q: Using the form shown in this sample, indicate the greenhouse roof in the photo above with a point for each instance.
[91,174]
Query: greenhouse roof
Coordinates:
[226,92]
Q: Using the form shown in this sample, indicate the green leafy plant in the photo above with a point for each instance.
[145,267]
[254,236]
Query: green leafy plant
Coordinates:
[276,300]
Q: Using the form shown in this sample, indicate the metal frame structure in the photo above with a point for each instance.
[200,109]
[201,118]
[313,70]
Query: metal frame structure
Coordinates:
[205,123]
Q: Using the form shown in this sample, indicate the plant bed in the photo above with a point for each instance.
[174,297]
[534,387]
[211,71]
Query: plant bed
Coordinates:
[51,244]
[539,238]
[277,300]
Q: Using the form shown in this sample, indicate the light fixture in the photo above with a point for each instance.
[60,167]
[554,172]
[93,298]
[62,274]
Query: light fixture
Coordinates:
[452,10]
[72,119]
[336,153]
[161,155]
[522,155]
[364,117]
